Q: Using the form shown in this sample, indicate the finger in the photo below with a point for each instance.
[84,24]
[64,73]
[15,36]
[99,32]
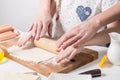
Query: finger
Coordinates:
[75,52]
[34,31]
[60,58]
[44,30]
[71,41]
[64,38]
[19,43]
[50,30]
[38,31]
[30,27]
[81,41]
[72,55]
[63,54]
[27,38]
[24,39]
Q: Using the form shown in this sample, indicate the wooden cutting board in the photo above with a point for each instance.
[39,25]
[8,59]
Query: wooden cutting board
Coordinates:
[79,60]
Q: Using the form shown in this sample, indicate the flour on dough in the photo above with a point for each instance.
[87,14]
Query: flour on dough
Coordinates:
[33,54]
[17,76]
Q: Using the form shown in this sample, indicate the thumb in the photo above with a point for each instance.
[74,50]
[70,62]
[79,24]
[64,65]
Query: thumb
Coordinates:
[72,55]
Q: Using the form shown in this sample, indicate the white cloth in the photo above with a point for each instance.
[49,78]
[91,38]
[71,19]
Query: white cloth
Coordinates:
[62,76]
[74,12]
[17,76]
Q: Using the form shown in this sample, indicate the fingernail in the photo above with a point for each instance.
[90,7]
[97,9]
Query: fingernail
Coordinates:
[19,45]
[57,45]
[75,46]
[58,49]
[37,38]
[57,60]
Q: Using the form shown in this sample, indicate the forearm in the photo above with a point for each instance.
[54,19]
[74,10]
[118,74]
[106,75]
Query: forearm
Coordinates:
[45,6]
[102,37]
[53,7]
[107,16]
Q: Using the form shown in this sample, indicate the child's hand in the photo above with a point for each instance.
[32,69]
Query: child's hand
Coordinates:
[77,35]
[68,53]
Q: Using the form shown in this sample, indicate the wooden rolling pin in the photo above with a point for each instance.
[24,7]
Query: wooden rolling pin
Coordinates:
[5,28]
[47,44]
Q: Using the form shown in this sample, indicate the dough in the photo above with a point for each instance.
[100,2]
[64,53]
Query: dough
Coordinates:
[17,76]
[33,54]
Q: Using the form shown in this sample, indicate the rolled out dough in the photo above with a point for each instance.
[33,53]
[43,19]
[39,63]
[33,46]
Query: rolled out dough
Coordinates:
[17,76]
[33,54]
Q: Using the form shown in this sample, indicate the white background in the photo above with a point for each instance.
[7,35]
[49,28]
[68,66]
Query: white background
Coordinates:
[18,13]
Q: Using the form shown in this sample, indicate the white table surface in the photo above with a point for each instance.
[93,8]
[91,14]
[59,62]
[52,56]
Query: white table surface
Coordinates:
[111,73]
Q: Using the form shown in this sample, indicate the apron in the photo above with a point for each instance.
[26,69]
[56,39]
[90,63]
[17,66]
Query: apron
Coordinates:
[74,12]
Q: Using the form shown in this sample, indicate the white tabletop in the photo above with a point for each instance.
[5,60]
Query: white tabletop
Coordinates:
[111,73]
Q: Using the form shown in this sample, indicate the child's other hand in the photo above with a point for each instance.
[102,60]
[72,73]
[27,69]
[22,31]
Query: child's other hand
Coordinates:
[68,53]
[77,35]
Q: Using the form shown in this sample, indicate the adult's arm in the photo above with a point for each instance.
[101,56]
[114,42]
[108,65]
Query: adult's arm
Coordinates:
[84,32]
[108,16]
[100,38]
[42,23]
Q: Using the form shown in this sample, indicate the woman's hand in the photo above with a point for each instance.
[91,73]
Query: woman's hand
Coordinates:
[77,35]
[38,28]
[41,25]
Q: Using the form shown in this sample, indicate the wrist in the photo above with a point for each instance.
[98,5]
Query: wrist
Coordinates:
[44,10]
[95,23]
[45,5]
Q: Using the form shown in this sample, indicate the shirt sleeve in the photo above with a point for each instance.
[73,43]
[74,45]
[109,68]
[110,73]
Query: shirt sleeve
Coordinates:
[108,3]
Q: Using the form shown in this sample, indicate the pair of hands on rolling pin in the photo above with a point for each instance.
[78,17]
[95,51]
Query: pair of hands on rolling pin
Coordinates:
[71,43]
